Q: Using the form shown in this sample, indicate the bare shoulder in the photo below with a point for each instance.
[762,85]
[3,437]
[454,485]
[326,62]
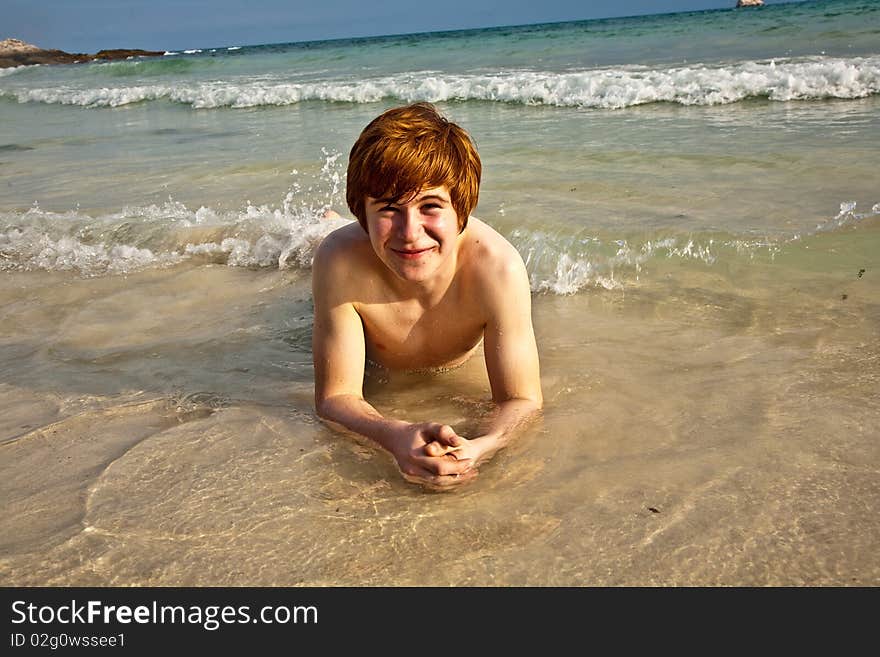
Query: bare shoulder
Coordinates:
[341,253]
[342,241]
[494,260]
[341,247]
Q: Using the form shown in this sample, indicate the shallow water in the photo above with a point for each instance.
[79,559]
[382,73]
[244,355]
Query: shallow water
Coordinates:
[705,298]
[714,430]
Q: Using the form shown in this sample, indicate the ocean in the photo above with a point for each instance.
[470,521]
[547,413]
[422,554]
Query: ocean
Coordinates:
[696,199]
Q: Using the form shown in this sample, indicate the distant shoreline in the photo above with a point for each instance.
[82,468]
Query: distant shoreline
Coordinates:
[14,52]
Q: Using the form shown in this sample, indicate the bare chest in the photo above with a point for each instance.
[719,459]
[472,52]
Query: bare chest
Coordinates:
[407,336]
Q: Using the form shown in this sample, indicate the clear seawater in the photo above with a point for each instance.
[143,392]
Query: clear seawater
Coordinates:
[697,200]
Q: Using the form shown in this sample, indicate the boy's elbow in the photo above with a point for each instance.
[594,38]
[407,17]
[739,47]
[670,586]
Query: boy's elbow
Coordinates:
[537,402]
[331,407]
[527,403]
[322,407]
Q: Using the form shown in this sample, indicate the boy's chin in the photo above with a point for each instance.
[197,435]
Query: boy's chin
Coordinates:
[413,276]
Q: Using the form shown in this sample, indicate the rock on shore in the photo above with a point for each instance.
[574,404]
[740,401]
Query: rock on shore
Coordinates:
[14,52]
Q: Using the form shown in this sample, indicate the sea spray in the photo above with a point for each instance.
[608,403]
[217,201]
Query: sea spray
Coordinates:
[139,237]
[566,264]
[286,237]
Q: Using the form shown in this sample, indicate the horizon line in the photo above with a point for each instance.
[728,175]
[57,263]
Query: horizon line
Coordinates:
[497,27]
[367,37]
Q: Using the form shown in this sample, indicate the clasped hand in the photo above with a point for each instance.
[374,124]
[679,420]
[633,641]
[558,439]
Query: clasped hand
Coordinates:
[432,454]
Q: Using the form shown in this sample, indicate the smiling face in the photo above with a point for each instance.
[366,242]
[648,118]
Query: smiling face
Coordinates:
[415,238]
[413,148]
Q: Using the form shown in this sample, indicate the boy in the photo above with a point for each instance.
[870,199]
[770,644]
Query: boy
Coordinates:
[418,283]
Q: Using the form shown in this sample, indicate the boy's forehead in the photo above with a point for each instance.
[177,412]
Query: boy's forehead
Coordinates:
[441,192]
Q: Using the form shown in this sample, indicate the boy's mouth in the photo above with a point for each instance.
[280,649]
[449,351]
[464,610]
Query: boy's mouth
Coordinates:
[412,254]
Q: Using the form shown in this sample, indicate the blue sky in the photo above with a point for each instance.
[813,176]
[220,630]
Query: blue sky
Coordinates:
[90,25]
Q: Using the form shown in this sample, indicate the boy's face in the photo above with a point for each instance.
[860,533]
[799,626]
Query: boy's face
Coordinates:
[414,237]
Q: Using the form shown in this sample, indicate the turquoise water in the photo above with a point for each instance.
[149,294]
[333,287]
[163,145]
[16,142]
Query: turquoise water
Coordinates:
[696,199]
[615,126]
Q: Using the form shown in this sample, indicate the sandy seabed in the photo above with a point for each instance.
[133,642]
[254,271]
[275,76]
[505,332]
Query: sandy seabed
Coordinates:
[694,434]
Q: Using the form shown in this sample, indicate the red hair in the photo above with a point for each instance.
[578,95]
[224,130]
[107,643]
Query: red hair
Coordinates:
[407,149]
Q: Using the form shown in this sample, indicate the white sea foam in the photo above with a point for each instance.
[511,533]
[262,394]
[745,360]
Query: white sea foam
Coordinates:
[287,236]
[611,88]
[138,237]
[15,69]
[31,249]
[162,235]
[568,264]
[847,217]
[566,267]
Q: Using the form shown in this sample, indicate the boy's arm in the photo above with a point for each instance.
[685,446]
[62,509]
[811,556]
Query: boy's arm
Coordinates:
[511,362]
[338,349]
[511,356]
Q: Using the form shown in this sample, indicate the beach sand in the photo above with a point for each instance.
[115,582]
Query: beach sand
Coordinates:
[736,447]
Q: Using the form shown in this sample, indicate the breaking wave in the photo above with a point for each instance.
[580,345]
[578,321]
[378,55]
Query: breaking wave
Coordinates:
[566,264]
[606,88]
[155,236]
[264,237]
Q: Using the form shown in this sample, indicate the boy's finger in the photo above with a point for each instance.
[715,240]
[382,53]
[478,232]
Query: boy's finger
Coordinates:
[447,434]
[449,482]
[441,466]
[444,433]
[436,449]
[424,478]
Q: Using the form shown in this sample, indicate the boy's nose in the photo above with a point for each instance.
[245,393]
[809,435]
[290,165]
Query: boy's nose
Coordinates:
[410,224]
